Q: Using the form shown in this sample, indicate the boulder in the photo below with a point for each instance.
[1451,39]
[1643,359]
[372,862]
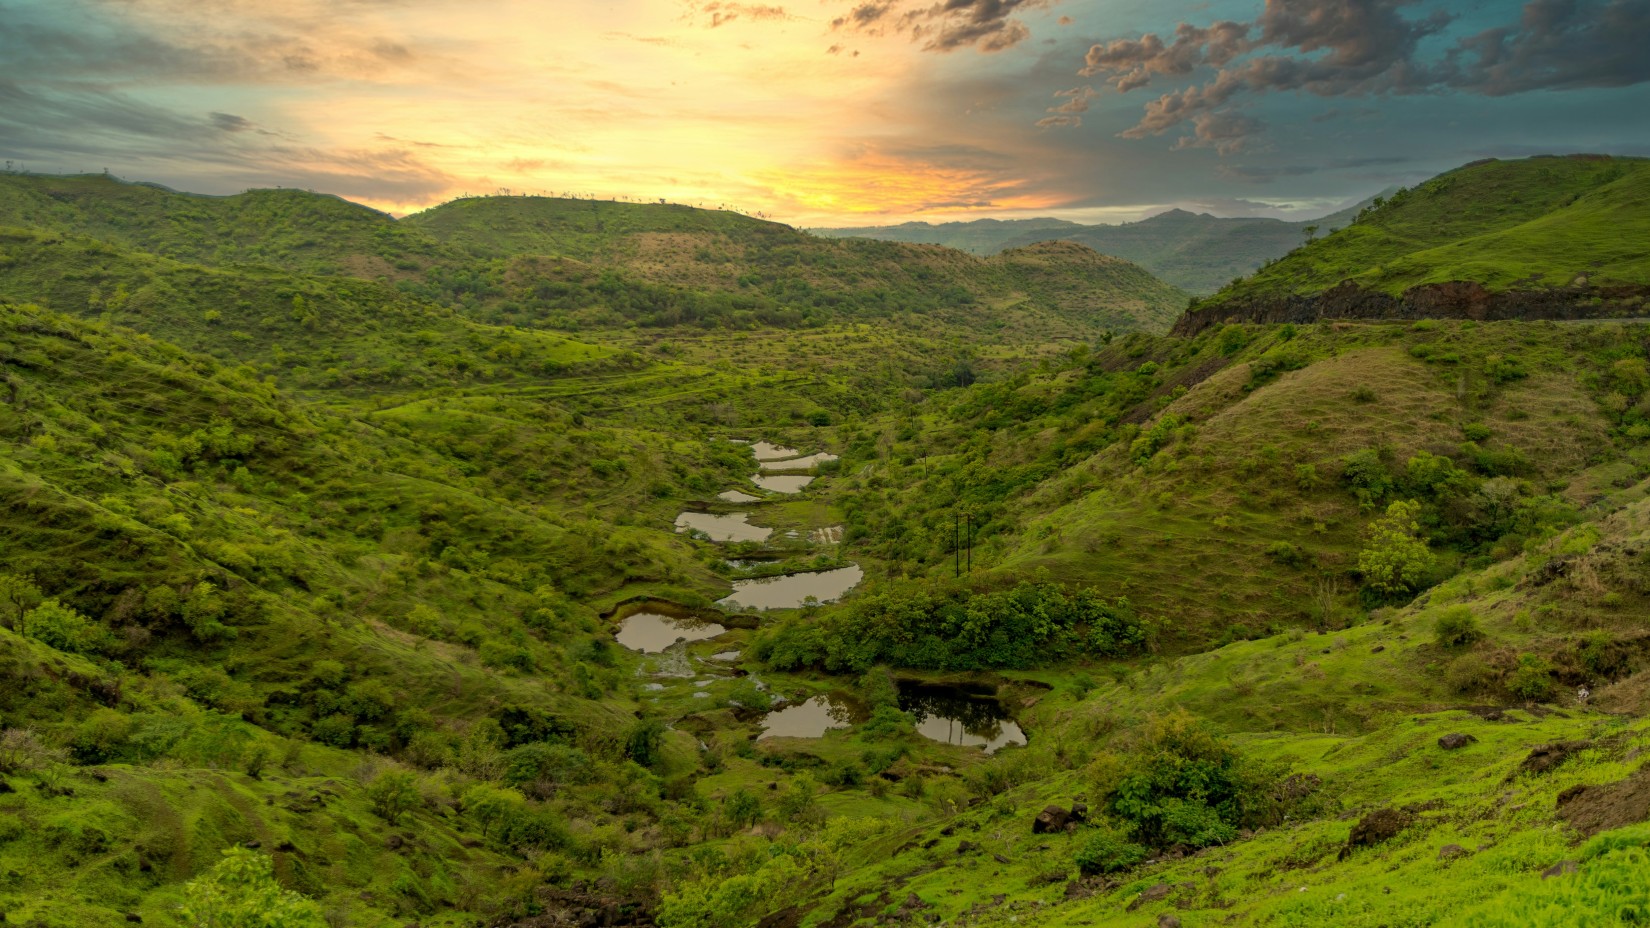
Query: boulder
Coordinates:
[1547,756]
[1154,894]
[1051,819]
[1451,851]
[1456,741]
[1167,921]
[1375,828]
[1560,869]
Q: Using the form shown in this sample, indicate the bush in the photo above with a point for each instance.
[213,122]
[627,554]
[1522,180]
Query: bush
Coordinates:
[393,794]
[1532,679]
[1184,785]
[1456,627]
[1106,851]
[241,892]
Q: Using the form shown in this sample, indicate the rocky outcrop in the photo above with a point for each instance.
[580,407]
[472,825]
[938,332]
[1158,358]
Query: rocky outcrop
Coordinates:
[1456,299]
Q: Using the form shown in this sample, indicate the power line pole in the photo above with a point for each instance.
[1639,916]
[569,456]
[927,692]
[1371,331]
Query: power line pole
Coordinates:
[956,546]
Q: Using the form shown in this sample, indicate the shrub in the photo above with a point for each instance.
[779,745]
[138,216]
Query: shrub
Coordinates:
[1367,475]
[241,892]
[393,793]
[1456,627]
[1532,679]
[1184,785]
[58,626]
[1106,851]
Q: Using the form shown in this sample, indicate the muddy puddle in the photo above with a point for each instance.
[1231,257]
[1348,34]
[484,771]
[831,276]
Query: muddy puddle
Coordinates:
[953,715]
[791,590]
[803,463]
[732,527]
[653,632]
[782,483]
[809,719]
[767,451]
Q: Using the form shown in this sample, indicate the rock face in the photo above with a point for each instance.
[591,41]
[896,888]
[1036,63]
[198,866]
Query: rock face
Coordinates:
[1456,299]
[1376,828]
[1455,741]
[1051,819]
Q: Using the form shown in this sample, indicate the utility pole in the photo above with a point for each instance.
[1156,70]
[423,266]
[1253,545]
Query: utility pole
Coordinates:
[970,518]
[956,546]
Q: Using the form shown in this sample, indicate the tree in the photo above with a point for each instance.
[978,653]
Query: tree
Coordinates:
[1311,233]
[19,593]
[241,892]
[393,793]
[1396,559]
[57,625]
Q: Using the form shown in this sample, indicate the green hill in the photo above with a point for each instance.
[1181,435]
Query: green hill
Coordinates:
[328,571]
[544,261]
[1548,231]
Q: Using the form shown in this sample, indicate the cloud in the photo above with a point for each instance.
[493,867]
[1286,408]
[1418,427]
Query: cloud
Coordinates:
[945,25]
[229,122]
[1353,48]
[1227,133]
[721,13]
[1260,174]
[1067,113]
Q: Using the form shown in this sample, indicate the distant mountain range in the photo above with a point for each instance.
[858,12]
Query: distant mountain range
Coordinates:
[1196,252]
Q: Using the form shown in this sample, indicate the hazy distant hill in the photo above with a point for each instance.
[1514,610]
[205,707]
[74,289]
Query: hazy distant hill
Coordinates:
[1196,252]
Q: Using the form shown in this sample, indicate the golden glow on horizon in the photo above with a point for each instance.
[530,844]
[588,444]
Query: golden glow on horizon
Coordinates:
[426,100]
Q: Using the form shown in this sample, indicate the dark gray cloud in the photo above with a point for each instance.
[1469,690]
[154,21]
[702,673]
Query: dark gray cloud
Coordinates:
[1353,48]
[945,25]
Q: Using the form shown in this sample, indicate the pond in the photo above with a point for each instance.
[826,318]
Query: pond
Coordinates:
[653,632]
[788,591]
[734,527]
[809,719]
[770,452]
[953,715]
[735,496]
[788,483]
[807,463]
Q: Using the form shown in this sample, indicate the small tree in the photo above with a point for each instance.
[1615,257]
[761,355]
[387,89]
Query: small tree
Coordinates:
[1396,559]
[393,793]
[241,892]
[19,593]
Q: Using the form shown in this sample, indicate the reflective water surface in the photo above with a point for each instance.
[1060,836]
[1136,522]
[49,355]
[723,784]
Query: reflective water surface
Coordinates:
[652,632]
[777,483]
[953,715]
[789,591]
[733,527]
[806,719]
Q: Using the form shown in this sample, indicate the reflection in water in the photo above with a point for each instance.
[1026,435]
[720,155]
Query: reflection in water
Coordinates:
[735,527]
[735,496]
[788,591]
[806,463]
[778,484]
[806,720]
[650,632]
[769,452]
[951,715]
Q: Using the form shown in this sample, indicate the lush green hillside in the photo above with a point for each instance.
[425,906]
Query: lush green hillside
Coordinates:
[544,261]
[328,572]
[1534,224]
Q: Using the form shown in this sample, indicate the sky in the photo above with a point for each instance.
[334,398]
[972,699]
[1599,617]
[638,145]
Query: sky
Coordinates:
[821,112]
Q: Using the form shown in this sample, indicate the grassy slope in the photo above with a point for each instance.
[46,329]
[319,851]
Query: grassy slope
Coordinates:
[471,252]
[1540,222]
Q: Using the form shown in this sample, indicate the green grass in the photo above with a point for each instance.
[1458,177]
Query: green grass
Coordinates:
[1532,224]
